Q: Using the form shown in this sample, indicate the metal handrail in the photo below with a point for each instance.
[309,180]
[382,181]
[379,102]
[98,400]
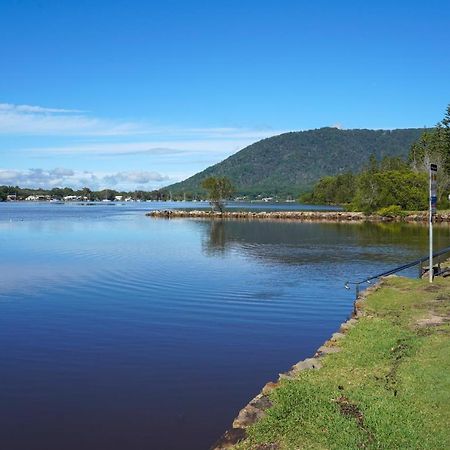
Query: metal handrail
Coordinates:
[396,269]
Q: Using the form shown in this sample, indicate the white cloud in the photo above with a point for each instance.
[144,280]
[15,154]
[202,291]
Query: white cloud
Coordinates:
[155,148]
[38,120]
[61,177]
[34,109]
[67,135]
[59,171]
[45,121]
[139,177]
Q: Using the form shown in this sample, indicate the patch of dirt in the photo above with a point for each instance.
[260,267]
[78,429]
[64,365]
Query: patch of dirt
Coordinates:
[431,321]
[398,353]
[424,331]
[404,289]
[350,410]
[432,288]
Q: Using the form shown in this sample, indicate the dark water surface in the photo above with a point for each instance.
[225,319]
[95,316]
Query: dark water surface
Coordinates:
[118,331]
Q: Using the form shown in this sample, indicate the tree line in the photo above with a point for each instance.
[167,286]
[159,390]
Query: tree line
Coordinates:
[88,194]
[393,184]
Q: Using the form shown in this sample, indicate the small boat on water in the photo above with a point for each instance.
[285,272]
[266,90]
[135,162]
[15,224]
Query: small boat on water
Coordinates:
[55,201]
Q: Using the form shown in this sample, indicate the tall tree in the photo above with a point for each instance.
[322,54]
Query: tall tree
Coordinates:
[434,147]
[219,189]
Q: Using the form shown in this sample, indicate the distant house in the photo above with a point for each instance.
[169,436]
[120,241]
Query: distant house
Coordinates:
[118,198]
[71,198]
[11,198]
[37,198]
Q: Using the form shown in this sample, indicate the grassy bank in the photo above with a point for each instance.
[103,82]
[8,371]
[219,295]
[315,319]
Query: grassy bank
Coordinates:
[388,387]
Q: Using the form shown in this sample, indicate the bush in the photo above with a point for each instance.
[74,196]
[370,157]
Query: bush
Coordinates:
[391,211]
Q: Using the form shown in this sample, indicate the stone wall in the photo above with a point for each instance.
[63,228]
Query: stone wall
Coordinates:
[304,216]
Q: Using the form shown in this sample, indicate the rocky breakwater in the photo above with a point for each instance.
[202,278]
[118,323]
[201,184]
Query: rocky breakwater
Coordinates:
[331,216]
[304,216]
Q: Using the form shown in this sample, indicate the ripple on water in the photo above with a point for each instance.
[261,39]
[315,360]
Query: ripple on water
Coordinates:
[115,323]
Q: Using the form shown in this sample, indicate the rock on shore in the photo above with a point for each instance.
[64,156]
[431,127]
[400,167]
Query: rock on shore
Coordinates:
[305,216]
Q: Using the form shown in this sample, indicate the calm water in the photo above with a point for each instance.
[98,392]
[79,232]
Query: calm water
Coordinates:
[118,331]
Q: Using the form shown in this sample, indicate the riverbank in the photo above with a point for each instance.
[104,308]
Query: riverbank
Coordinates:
[304,216]
[381,382]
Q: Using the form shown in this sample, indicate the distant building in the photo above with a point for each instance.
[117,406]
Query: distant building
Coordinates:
[37,198]
[118,198]
[11,198]
[71,198]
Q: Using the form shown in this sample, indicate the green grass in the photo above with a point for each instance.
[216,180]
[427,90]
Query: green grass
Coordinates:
[389,387]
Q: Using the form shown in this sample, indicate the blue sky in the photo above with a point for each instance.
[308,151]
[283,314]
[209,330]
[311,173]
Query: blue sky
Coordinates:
[139,94]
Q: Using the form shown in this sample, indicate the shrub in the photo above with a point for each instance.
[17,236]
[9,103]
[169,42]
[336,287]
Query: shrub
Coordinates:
[391,211]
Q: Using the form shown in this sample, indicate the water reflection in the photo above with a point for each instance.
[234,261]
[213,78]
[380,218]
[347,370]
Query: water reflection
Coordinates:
[149,333]
[215,240]
[297,243]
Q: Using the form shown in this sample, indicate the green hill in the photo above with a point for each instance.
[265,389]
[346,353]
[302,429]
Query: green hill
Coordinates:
[291,163]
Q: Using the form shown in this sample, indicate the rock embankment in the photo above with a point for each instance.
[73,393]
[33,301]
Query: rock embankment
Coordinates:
[256,408]
[304,216]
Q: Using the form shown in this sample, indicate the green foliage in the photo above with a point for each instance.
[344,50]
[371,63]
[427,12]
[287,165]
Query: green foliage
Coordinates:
[219,189]
[391,211]
[332,190]
[375,190]
[291,163]
[434,147]
[7,190]
[393,182]
[379,185]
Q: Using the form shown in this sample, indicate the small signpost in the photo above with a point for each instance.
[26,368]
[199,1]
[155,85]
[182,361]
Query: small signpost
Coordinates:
[433,204]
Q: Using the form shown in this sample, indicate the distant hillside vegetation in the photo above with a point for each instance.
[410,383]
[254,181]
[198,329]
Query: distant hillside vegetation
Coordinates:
[291,163]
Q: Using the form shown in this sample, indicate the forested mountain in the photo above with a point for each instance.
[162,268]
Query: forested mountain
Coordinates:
[291,163]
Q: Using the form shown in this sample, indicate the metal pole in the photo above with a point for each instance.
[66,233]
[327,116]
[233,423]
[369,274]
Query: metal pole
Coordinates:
[433,206]
[431,249]
[430,233]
